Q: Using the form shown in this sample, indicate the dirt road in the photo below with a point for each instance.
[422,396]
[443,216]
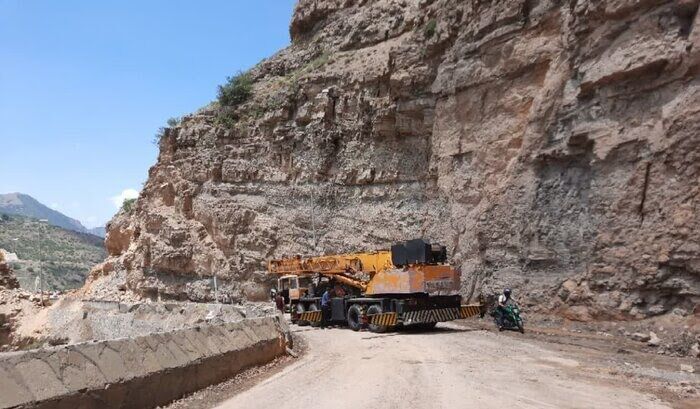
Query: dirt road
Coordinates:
[451,367]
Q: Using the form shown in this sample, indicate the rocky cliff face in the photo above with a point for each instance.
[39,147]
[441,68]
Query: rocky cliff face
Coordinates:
[553,146]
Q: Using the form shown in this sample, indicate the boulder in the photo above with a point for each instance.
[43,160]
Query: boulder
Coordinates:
[654,340]
[638,336]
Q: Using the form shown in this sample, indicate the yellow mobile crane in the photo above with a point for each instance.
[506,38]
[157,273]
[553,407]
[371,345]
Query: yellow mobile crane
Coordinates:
[411,284]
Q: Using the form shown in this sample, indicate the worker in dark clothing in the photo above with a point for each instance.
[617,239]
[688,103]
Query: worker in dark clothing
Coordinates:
[338,291]
[279,302]
[326,308]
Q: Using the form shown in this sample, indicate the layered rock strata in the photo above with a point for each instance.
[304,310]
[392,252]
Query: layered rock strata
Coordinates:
[554,147]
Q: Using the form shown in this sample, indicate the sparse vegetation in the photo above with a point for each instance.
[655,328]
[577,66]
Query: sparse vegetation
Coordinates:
[172,122]
[318,62]
[430,28]
[236,91]
[128,205]
[226,118]
[64,256]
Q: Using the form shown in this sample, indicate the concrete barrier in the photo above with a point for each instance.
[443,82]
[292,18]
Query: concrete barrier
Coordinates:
[141,372]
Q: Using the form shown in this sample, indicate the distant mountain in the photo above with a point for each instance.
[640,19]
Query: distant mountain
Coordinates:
[25,205]
[64,256]
[98,231]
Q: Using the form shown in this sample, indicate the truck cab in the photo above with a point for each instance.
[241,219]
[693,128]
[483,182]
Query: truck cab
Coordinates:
[293,287]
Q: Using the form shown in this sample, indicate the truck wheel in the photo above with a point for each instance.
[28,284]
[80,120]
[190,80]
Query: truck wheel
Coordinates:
[354,317]
[376,309]
[314,324]
[300,308]
[427,326]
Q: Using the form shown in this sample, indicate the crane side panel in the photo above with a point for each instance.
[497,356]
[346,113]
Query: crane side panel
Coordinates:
[440,279]
[395,282]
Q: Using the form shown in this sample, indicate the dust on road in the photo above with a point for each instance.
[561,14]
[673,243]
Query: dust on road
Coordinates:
[451,367]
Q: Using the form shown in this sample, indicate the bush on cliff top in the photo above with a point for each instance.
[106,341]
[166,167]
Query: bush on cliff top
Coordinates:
[172,122]
[128,205]
[236,90]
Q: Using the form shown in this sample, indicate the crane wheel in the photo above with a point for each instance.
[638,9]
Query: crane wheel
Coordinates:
[314,324]
[355,317]
[376,309]
[300,308]
[428,326]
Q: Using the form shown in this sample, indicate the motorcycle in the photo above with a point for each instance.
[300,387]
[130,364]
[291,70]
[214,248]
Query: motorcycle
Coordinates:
[510,320]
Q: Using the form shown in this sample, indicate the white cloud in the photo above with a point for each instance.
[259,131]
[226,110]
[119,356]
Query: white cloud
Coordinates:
[126,194]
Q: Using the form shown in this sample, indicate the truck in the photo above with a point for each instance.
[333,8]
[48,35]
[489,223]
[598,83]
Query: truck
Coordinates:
[410,285]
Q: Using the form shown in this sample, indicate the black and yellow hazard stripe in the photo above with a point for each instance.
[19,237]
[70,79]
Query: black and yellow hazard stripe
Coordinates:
[472,310]
[310,316]
[446,314]
[433,315]
[387,319]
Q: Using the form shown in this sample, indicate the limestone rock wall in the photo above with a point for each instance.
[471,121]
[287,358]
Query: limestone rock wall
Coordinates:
[552,146]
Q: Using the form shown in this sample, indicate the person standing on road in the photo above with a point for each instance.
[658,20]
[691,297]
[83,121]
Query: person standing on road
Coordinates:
[326,308]
[279,302]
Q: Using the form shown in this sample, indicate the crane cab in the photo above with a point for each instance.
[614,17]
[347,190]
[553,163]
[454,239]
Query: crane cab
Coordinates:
[293,287]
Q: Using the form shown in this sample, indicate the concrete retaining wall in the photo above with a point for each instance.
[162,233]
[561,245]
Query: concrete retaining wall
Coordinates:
[141,372]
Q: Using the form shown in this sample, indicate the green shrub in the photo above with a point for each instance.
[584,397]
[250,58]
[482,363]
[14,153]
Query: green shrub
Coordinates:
[226,119]
[237,89]
[293,78]
[128,205]
[430,29]
[172,122]
[160,133]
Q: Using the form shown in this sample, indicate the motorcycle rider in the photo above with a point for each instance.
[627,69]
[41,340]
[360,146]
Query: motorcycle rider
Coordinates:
[503,300]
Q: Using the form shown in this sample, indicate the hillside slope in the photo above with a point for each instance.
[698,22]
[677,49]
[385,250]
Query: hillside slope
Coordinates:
[553,146]
[65,256]
[25,205]
[98,231]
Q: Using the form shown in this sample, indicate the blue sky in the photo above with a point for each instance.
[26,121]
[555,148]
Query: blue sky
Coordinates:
[84,85]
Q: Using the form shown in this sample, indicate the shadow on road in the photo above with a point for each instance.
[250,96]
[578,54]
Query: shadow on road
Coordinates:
[405,331]
[414,331]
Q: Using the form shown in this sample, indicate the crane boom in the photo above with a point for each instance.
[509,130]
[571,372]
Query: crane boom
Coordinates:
[338,264]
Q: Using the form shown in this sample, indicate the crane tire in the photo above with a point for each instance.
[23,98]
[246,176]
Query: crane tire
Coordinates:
[428,326]
[376,309]
[355,317]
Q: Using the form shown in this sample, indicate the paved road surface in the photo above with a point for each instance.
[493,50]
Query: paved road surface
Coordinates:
[452,367]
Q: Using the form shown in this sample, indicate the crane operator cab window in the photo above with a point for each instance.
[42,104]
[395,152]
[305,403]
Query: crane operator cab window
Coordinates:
[289,288]
[306,287]
[283,288]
